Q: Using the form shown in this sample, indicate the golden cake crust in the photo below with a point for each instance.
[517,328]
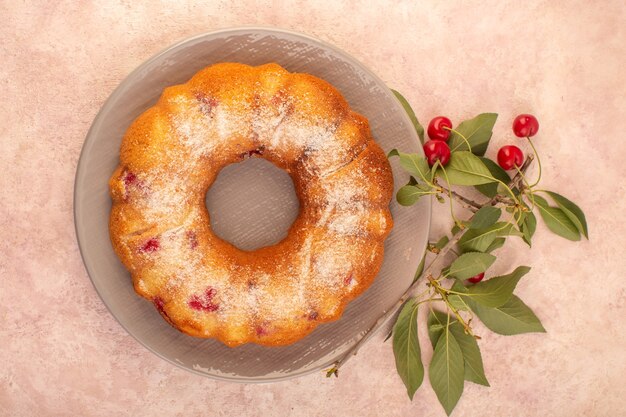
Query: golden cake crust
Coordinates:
[160,227]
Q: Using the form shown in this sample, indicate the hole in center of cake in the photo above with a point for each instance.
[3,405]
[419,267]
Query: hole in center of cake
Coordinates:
[252,204]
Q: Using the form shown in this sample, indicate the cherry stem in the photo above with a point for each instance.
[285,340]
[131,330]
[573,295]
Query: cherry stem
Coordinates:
[538,161]
[428,272]
[469,147]
[445,174]
[528,189]
[425,180]
[428,300]
[444,295]
[519,177]
[514,183]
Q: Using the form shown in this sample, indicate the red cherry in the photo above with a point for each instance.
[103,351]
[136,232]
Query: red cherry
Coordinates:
[151,245]
[477,278]
[204,302]
[261,330]
[193,239]
[207,104]
[525,125]
[129,178]
[160,305]
[510,156]
[437,150]
[436,129]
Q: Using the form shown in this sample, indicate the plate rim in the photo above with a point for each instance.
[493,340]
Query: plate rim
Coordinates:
[80,167]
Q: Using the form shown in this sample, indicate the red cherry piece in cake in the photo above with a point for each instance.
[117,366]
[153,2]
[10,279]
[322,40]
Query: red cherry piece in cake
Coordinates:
[131,182]
[525,125]
[129,178]
[160,305]
[261,330]
[348,279]
[477,278]
[437,150]
[192,238]
[312,315]
[152,245]
[207,104]
[438,128]
[510,156]
[204,302]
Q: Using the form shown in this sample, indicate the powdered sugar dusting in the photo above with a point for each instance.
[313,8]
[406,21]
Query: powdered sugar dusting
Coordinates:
[349,222]
[243,294]
[343,193]
[300,135]
[201,133]
[331,266]
[266,122]
[292,136]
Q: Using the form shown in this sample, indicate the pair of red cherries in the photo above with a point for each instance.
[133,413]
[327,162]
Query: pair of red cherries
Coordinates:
[509,157]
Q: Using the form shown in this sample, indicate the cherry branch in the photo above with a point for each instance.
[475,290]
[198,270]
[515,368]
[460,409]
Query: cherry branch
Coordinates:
[514,183]
[465,202]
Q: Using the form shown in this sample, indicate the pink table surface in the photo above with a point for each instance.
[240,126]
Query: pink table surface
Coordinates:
[62,353]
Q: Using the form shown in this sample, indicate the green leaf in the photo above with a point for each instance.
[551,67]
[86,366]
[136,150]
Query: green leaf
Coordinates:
[513,317]
[445,271]
[528,227]
[496,244]
[572,211]
[414,164]
[474,369]
[478,240]
[407,108]
[556,220]
[420,267]
[409,194]
[437,321]
[406,348]
[491,189]
[470,264]
[465,168]
[457,301]
[485,217]
[477,131]
[496,291]
[447,370]
[510,230]
[442,242]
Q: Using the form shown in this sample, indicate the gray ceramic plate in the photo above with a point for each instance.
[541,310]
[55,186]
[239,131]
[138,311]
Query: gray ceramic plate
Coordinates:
[262,192]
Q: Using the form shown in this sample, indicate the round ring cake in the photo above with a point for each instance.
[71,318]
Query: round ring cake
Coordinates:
[160,228]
